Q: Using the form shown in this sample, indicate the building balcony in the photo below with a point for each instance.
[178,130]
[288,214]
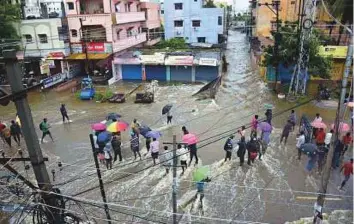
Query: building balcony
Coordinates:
[92,19]
[129,17]
[134,40]
[152,24]
[152,42]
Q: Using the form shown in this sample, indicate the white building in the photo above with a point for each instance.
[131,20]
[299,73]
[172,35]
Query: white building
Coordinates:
[188,19]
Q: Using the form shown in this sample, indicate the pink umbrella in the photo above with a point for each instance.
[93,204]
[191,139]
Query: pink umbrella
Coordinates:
[190,139]
[98,127]
[318,124]
[343,127]
[350,104]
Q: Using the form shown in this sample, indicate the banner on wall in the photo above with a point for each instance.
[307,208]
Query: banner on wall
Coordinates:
[179,60]
[52,80]
[127,61]
[207,61]
[44,67]
[95,47]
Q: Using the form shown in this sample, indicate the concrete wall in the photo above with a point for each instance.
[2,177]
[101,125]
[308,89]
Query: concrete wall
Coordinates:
[152,15]
[193,10]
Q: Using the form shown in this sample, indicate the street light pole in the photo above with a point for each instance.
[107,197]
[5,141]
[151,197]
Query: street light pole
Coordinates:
[84,47]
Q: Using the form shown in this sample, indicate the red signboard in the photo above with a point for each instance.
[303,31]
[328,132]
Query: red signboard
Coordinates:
[56,55]
[95,47]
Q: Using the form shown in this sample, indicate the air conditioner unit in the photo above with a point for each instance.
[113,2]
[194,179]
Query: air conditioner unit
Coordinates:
[196,29]
[179,33]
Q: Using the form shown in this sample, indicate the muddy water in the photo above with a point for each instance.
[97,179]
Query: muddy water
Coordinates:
[235,193]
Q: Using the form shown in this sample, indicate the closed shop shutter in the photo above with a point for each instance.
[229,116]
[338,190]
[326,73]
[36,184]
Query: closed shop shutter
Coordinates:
[155,72]
[131,72]
[206,73]
[181,73]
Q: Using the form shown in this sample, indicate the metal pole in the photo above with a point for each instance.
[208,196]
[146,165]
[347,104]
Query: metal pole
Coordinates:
[340,113]
[84,46]
[103,193]
[174,186]
[276,47]
[35,153]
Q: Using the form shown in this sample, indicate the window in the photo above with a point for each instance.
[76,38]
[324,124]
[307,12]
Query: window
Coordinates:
[293,2]
[73,33]
[178,23]
[195,0]
[219,20]
[130,32]
[119,34]
[196,23]
[43,39]
[70,5]
[162,11]
[28,38]
[178,6]
[201,39]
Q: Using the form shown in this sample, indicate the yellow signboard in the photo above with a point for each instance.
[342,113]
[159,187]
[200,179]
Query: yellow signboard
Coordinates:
[334,51]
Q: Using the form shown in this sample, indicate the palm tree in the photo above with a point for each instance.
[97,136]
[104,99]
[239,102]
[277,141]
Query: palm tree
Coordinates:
[343,10]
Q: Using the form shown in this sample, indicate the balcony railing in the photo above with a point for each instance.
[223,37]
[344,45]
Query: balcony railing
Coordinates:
[93,19]
[123,44]
[129,17]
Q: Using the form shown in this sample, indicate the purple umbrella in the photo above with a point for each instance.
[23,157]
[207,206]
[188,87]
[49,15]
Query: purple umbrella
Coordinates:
[265,127]
[153,134]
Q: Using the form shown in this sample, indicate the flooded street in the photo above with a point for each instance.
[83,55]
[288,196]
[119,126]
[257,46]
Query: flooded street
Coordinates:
[274,190]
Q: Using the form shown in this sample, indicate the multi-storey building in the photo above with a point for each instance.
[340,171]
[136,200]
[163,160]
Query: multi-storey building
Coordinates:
[44,38]
[189,19]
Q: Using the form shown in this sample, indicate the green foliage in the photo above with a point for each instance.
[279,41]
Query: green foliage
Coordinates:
[173,43]
[77,95]
[242,17]
[288,53]
[102,97]
[9,14]
[209,4]
[98,96]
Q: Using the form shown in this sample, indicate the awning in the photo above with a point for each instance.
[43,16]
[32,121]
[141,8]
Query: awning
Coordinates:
[56,56]
[82,56]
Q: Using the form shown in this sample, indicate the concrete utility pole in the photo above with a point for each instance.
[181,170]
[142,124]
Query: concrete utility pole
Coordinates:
[24,112]
[103,193]
[340,113]
[84,47]
[174,186]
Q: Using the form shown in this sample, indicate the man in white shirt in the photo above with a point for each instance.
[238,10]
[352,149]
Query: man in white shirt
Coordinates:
[328,138]
[299,142]
[154,149]
[183,156]
[167,159]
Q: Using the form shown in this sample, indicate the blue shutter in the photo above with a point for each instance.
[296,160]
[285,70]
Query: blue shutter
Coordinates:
[155,72]
[181,73]
[206,73]
[131,72]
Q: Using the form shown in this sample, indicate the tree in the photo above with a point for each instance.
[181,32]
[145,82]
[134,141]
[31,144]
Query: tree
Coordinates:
[9,14]
[209,4]
[318,66]
[343,10]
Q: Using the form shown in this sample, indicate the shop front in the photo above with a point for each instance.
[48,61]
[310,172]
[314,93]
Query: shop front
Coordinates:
[180,68]
[154,67]
[207,69]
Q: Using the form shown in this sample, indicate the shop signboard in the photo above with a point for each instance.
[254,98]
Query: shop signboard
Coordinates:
[76,48]
[51,63]
[52,80]
[179,60]
[155,59]
[95,47]
[207,61]
[44,67]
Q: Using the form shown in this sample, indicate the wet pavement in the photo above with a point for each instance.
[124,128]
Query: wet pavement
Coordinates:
[274,190]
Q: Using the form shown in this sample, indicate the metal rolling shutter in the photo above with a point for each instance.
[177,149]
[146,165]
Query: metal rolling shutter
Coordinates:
[206,73]
[155,72]
[181,73]
[131,72]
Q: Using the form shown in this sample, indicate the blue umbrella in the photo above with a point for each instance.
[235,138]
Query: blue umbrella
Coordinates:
[153,134]
[265,127]
[112,116]
[309,148]
[144,130]
[104,137]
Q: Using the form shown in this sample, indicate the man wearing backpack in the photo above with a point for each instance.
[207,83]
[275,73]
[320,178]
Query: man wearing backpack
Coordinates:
[44,127]
[228,147]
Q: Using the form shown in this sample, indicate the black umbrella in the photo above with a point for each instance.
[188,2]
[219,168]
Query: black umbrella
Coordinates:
[309,148]
[113,116]
[144,130]
[166,109]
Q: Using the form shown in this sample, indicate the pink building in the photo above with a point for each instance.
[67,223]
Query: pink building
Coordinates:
[152,23]
[110,26]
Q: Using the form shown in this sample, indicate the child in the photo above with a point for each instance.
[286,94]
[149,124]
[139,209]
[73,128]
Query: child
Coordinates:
[183,157]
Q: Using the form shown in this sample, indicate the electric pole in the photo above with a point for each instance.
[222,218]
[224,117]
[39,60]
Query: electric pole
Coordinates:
[84,47]
[339,116]
[174,185]
[35,153]
[103,193]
